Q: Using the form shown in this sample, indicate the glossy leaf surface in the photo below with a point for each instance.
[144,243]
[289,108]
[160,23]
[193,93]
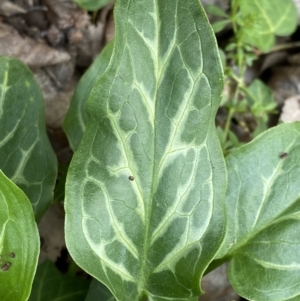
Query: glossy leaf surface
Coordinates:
[98,291]
[50,285]
[19,242]
[144,193]
[92,5]
[76,118]
[263,207]
[263,19]
[26,156]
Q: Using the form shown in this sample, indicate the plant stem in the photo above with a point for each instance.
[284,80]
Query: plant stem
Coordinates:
[228,122]
[284,47]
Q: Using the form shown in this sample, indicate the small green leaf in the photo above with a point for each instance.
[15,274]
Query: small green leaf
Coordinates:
[76,118]
[234,139]
[19,242]
[98,291]
[261,102]
[263,19]
[230,47]
[92,5]
[144,192]
[50,285]
[260,98]
[220,25]
[263,208]
[26,156]
[215,10]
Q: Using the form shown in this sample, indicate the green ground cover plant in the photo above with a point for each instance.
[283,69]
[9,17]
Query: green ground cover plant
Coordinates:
[255,25]
[151,202]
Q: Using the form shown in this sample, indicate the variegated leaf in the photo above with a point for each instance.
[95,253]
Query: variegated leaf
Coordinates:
[76,118]
[19,242]
[144,192]
[263,208]
[26,156]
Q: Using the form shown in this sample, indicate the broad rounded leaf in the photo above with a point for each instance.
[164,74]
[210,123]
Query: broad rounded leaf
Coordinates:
[50,285]
[263,208]
[264,18]
[19,242]
[26,156]
[92,4]
[144,192]
[76,118]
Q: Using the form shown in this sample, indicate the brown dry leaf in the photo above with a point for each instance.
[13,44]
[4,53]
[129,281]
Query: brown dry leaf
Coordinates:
[51,229]
[217,287]
[285,82]
[110,28]
[64,14]
[90,45]
[76,25]
[291,109]
[57,92]
[9,9]
[34,54]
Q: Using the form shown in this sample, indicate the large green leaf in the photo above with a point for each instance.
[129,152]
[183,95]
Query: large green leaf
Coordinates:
[19,242]
[26,156]
[263,207]
[144,192]
[92,5]
[99,292]
[50,285]
[263,19]
[76,118]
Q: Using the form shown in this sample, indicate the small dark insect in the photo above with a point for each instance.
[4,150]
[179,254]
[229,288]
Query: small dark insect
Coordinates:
[283,155]
[131,178]
[6,266]
[12,255]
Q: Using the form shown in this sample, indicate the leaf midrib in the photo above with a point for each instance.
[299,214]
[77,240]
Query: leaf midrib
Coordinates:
[148,212]
[4,88]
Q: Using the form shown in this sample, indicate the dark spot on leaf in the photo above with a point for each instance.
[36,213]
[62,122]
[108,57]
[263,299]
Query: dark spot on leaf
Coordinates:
[283,155]
[5,267]
[131,178]
[12,255]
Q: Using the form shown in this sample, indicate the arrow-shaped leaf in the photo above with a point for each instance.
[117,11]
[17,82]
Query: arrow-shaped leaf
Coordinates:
[144,192]
[26,156]
[263,208]
[76,118]
[19,242]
